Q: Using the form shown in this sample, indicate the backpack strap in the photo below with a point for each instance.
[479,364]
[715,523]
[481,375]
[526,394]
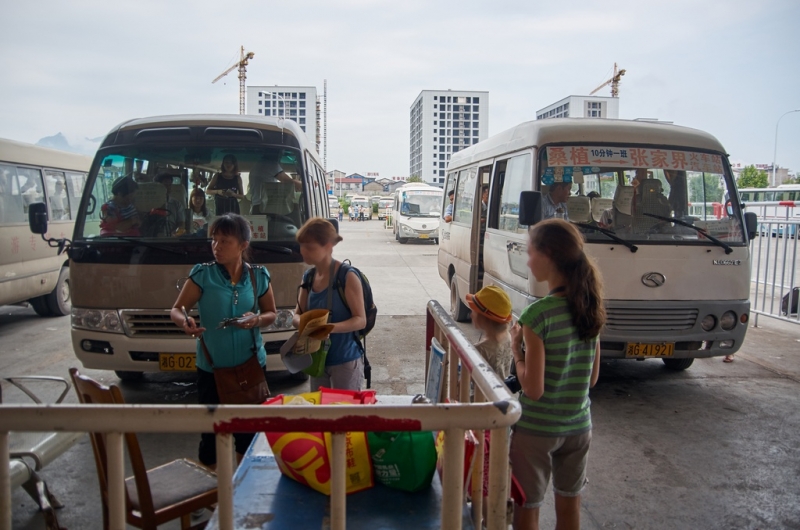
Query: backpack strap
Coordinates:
[255,305]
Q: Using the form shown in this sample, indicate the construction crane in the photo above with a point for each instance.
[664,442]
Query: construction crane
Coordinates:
[242,66]
[614,82]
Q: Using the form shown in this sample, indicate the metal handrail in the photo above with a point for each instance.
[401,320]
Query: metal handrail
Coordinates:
[775,268]
[498,413]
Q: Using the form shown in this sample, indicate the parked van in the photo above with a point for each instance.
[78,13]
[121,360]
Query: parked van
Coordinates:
[124,285]
[677,282]
[385,205]
[30,269]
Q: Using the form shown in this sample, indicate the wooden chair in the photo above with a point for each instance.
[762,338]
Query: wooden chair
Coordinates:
[154,496]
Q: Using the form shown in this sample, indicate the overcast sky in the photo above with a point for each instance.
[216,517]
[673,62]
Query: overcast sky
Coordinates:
[726,67]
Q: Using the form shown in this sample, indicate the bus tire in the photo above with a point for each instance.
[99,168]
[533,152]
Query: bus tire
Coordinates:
[60,300]
[678,364]
[458,310]
[129,376]
[402,240]
[39,304]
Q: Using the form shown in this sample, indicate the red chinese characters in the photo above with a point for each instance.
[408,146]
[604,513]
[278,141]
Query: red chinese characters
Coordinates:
[639,157]
[678,160]
[580,156]
[556,156]
[659,158]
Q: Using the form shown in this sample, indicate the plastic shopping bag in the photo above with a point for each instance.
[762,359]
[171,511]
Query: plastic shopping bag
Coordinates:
[403,460]
[306,456]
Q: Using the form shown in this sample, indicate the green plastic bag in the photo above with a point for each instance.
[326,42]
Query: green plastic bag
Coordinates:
[317,367]
[403,460]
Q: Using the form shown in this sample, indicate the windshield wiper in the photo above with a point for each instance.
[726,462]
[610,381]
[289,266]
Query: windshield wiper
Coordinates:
[610,235]
[140,241]
[681,222]
[271,247]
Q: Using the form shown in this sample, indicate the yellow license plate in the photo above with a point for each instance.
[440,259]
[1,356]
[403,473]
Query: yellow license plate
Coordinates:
[638,349]
[176,362]
[423,236]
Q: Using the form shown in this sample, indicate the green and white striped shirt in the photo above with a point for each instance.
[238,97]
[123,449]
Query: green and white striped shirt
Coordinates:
[563,409]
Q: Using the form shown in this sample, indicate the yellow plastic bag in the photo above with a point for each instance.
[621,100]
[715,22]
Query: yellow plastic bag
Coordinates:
[306,456]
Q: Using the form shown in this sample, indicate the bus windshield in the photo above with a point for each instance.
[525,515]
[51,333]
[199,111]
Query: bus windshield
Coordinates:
[641,194]
[165,191]
[421,203]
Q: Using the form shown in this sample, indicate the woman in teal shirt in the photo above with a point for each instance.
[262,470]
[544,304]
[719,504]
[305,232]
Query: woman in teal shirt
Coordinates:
[223,289]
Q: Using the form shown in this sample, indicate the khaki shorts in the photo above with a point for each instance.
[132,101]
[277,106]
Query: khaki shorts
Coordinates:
[534,458]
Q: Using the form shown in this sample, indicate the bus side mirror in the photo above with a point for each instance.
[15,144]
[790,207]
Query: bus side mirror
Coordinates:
[37,217]
[530,207]
[751,224]
[335,222]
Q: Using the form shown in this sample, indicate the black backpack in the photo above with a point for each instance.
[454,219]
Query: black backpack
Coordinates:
[341,278]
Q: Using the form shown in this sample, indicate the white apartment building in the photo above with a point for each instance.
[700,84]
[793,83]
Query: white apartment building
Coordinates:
[297,103]
[581,107]
[444,122]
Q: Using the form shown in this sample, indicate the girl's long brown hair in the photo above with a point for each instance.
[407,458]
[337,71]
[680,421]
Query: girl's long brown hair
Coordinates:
[563,244]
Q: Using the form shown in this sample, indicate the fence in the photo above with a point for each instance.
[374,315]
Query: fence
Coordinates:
[774,260]
[494,409]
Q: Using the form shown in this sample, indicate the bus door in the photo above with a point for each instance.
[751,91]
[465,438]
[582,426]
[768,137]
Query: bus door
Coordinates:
[506,241]
[463,238]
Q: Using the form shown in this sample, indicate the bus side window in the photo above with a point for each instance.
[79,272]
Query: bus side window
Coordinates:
[515,179]
[30,186]
[465,196]
[450,185]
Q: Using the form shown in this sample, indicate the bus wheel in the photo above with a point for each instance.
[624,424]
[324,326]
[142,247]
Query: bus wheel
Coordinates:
[458,310]
[60,300]
[129,376]
[402,240]
[39,304]
[678,364]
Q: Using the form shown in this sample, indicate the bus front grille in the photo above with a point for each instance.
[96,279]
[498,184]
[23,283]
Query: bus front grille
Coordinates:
[151,322]
[639,319]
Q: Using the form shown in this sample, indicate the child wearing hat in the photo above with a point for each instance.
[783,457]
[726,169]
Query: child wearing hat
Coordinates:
[491,314]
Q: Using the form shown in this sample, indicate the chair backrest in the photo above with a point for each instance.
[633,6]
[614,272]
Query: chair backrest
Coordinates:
[623,200]
[600,205]
[150,195]
[91,392]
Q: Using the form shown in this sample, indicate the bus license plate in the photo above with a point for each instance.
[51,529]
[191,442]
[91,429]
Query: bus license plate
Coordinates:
[423,236]
[176,362]
[638,349]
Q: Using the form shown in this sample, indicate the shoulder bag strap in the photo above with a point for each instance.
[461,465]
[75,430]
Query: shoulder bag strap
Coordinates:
[330,290]
[254,329]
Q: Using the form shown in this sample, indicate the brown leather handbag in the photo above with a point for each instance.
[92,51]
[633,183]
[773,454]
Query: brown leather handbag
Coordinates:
[243,384]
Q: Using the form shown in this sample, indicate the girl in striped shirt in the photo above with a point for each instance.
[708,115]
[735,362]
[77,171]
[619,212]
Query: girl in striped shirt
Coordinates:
[557,366]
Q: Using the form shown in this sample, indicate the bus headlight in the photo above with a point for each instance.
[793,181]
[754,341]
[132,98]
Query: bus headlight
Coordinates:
[708,322]
[407,230]
[97,320]
[728,320]
[283,322]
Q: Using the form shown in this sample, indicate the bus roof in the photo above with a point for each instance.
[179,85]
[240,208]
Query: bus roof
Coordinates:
[233,121]
[22,153]
[585,131]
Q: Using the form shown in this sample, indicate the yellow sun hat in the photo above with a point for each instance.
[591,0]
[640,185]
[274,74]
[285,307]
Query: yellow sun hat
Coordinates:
[491,302]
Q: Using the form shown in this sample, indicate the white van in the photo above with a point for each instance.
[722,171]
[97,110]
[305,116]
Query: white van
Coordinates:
[677,284]
[30,269]
[417,210]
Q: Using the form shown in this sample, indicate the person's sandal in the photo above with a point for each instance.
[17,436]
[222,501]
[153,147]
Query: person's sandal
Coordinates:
[728,359]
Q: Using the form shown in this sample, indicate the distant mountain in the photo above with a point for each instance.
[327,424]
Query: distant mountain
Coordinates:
[58,141]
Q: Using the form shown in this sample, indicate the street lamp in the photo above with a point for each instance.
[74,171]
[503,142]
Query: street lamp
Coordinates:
[276,95]
[775,154]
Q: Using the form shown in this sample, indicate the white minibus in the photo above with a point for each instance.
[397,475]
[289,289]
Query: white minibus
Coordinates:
[124,284]
[385,205]
[365,205]
[30,269]
[677,284]
[417,210]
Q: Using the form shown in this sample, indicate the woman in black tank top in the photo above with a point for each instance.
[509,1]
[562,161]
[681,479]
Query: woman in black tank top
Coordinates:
[226,187]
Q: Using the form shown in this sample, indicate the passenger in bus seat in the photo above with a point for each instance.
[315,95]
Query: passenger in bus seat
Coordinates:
[554,203]
[448,211]
[226,186]
[197,205]
[175,209]
[267,169]
[119,216]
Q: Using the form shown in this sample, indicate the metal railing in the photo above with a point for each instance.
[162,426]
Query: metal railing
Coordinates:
[774,266]
[494,409]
